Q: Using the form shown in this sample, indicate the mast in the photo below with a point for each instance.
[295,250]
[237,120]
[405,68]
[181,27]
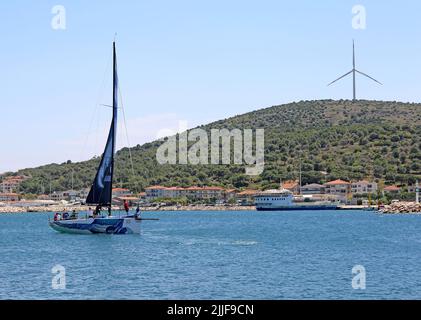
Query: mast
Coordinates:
[115,107]
[101,191]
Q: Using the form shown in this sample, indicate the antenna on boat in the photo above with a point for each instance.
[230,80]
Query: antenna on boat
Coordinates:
[354,71]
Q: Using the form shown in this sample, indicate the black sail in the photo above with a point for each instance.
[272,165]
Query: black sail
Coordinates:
[101,190]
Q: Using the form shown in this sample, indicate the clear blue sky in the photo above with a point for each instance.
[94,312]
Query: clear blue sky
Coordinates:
[186,60]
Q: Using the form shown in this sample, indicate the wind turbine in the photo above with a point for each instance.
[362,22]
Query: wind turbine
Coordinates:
[354,71]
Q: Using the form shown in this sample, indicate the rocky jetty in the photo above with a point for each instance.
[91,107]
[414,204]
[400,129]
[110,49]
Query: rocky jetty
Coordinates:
[12,210]
[402,207]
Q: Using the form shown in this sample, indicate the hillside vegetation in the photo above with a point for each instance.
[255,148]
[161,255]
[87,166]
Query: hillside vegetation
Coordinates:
[335,139]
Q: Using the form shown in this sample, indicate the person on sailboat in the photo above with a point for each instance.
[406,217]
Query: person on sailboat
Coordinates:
[90,213]
[126,206]
[73,215]
[137,214]
[97,211]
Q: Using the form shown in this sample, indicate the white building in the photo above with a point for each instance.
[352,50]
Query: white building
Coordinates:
[121,192]
[338,188]
[155,192]
[11,184]
[363,187]
[57,196]
[196,193]
[313,188]
[9,197]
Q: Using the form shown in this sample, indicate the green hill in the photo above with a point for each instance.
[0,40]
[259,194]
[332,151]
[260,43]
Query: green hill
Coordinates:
[334,139]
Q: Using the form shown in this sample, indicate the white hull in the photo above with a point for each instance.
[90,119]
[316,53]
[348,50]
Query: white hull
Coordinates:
[109,225]
[283,200]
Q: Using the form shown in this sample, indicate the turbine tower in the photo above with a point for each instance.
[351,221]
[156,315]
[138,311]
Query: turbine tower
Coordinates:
[354,71]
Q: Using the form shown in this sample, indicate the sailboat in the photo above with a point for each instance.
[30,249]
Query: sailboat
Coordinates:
[100,194]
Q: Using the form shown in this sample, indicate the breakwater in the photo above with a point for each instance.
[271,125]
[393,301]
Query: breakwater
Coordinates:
[402,207]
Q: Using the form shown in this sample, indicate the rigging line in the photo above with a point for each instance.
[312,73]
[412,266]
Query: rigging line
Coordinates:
[125,126]
[99,98]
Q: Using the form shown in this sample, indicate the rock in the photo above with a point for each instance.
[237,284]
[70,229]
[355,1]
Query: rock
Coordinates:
[402,207]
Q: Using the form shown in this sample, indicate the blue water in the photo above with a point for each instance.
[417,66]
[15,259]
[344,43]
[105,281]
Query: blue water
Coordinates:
[217,255]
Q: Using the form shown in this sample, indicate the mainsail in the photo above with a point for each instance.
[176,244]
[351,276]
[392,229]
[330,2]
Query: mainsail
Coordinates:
[102,187]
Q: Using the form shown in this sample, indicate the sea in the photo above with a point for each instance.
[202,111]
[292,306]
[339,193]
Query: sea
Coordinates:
[307,255]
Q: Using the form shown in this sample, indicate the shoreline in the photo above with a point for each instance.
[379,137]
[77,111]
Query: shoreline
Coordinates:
[51,209]
[396,208]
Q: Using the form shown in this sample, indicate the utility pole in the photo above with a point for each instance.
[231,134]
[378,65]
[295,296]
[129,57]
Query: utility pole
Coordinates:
[300,178]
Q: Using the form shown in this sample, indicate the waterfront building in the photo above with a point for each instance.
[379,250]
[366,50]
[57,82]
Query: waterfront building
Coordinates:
[246,197]
[174,192]
[231,195]
[338,188]
[363,187]
[313,188]
[210,193]
[9,197]
[57,196]
[132,200]
[142,196]
[154,192]
[83,194]
[70,195]
[11,184]
[292,185]
[121,192]
[392,190]
[193,193]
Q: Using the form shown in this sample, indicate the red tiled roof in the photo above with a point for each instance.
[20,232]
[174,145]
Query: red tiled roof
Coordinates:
[155,188]
[174,188]
[337,182]
[248,192]
[392,188]
[128,198]
[213,188]
[290,184]
[120,189]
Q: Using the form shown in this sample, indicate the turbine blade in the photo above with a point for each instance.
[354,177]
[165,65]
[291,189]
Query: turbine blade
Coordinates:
[340,78]
[366,75]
